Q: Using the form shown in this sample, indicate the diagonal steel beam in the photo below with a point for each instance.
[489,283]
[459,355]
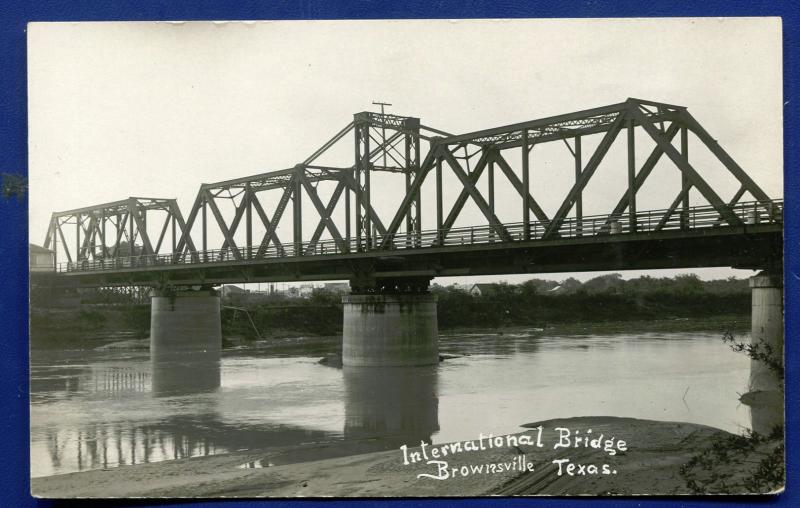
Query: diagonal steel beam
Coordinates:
[517,184]
[237,218]
[645,171]
[373,216]
[586,175]
[51,232]
[185,233]
[498,226]
[433,154]
[88,237]
[461,200]
[693,176]
[64,243]
[222,226]
[723,157]
[270,226]
[186,238]
[411,193]
[141,227]
[735,199]
[270,235]
[122,221]
[337,192]
[339,135]
[663,222]
[323,212]
[163,233]
[99,233]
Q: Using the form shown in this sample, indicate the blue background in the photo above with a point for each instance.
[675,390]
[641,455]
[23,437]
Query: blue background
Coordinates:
[14,484]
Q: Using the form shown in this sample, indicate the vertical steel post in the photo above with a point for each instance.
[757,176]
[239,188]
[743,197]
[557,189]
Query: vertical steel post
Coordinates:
[414,212]
[491,187]
[491,183]
[144,225]
[357,180]
[297,214]
[579,198]
[174,233]
[367,166]
[416,154]
[205,232]
[248,219]
[54,225]
[78,236]
[103,229]
[439,219]
[407,173]
[118,234]
[347,234]
[526,184]
[631,177]
[684,179]
[362,176]
[131,229]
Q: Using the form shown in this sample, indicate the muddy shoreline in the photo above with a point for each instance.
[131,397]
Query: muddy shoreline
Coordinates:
[650,465]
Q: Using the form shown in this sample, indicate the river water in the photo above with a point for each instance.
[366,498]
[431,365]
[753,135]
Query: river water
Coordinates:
[102,408]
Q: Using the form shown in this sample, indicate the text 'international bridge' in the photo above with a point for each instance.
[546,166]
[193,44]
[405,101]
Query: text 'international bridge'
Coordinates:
[390,256]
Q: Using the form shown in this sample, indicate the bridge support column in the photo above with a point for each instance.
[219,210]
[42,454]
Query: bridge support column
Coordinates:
[766,328]
[390,329]
[765,397]
[185,337]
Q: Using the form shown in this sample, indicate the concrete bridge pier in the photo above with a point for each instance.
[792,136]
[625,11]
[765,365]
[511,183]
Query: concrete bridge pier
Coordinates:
[185,339]
[765,397]
[390,323]
[766,328]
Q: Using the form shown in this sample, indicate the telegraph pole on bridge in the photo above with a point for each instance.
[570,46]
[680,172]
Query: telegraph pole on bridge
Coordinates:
[383,127]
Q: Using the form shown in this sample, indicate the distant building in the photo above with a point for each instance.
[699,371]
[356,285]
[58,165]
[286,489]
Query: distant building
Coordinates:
[337,287]
[227,291]
[482,289]
[40,259]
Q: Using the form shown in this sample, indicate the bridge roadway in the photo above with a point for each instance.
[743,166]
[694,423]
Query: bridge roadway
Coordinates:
[659,239]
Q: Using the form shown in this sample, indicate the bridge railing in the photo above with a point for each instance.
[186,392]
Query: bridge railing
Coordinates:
[650,221]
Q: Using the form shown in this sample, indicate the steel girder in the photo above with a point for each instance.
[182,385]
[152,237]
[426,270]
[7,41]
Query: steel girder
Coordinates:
[396,152]
[659,121]
[100,230]
[393,144]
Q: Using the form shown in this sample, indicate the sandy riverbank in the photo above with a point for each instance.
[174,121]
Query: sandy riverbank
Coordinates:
[651,465]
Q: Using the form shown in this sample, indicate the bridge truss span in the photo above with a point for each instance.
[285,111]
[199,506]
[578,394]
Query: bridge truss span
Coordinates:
[246,222]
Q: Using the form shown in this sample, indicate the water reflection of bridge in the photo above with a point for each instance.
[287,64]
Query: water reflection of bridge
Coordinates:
[382,410]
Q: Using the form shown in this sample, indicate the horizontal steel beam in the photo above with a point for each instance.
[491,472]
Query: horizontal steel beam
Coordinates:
[122,204]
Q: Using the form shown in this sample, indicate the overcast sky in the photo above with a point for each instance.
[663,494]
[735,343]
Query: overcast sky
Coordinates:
[156,109]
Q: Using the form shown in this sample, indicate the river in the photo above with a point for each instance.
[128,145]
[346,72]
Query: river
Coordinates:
[102,408]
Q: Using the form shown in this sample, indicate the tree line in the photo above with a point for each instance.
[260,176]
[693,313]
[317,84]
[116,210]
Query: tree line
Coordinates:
[536,302]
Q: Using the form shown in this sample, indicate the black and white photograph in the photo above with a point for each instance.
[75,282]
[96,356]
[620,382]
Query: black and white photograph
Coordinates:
[406,258]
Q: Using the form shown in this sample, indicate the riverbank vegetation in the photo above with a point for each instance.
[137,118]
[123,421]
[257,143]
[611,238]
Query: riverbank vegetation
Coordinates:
[570,306]
[604,300]
[753,462]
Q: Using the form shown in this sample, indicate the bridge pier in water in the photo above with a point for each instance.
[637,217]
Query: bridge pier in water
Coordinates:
[185,339]
[387,323]
[765,397]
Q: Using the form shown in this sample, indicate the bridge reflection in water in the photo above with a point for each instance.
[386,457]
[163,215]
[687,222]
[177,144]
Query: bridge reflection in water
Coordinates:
[181,416]
[391,405]
[191,375]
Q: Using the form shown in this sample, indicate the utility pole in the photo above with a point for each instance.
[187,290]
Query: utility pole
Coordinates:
[383,128]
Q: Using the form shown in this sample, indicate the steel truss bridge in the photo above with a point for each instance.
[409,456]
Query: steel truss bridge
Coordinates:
[116,243]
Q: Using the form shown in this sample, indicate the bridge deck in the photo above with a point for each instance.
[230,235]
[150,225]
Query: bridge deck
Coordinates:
[658,239]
